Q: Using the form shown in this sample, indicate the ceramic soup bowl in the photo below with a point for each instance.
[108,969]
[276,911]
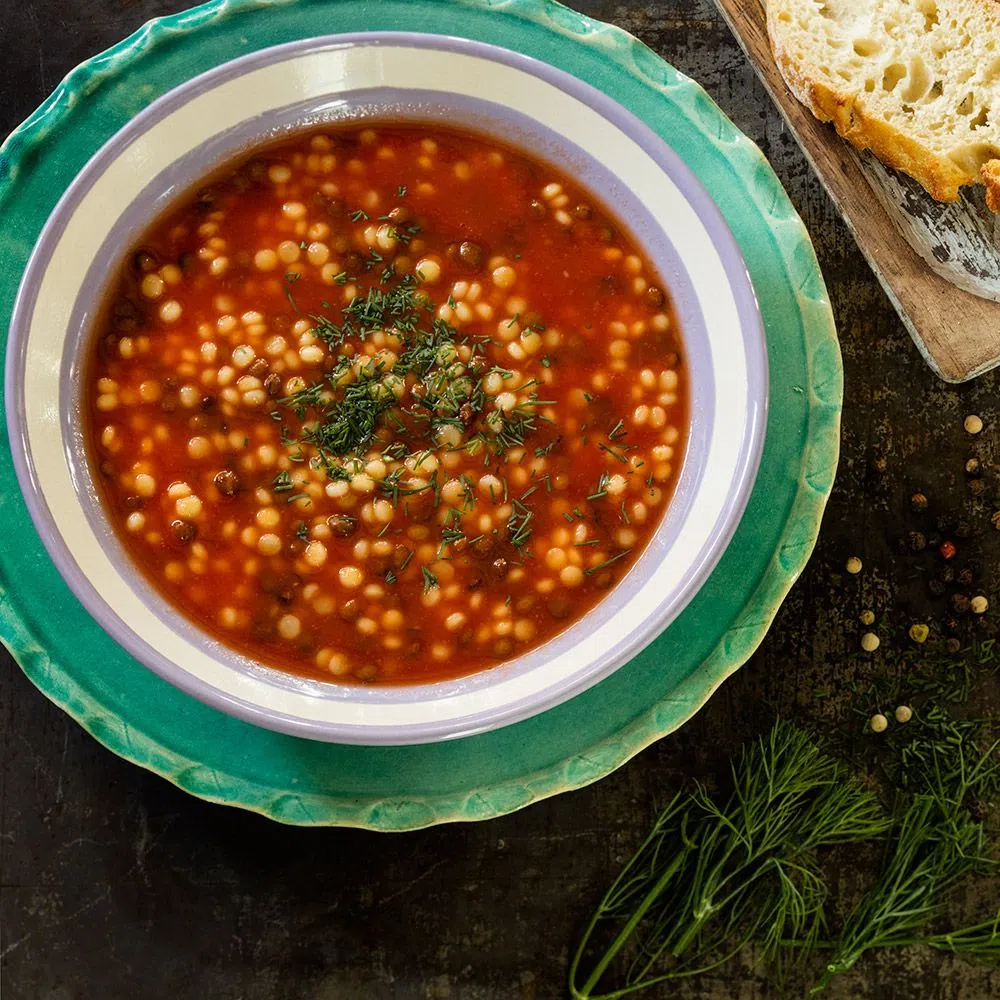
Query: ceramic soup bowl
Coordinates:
[178,140]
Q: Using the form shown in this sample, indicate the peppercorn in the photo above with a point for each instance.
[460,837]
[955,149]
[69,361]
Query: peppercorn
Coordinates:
[918,502]
[936,587]
[878,723]
[947,575]
[853,565]
[960,603]
[965,577]
[870,642]
[917,541]
[867,617]
[973,467]
[951,625]
[953,645]
[879,466]
[947,550]
[979,810]
[903,713]
[919,632]
[973,424]
[977,487]
[978,605]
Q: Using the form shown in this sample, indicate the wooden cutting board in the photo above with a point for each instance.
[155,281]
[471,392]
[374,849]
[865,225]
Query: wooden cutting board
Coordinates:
[939,264]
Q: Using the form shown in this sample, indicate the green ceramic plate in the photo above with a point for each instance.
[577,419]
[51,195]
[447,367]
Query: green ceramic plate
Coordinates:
[142,718]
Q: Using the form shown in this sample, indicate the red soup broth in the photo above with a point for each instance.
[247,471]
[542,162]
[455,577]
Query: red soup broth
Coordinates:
[386,404]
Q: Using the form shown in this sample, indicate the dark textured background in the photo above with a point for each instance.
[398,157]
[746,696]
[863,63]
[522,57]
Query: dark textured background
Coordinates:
[115,885]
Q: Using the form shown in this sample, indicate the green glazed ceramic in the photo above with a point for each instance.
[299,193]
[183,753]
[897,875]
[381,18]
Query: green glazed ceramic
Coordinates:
[141,717]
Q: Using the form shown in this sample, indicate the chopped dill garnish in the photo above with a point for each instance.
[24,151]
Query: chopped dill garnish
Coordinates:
[519,525]
[430,580]
[607,562]
[602,487]
[359,215]
[614,454]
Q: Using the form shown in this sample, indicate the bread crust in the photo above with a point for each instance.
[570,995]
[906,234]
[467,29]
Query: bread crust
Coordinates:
[991,178]
[939,175]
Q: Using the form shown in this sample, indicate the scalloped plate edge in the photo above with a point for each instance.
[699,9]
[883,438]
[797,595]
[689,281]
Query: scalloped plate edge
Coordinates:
[733,649]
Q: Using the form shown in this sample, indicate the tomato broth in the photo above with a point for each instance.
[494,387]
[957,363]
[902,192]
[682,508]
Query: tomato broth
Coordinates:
[386,403]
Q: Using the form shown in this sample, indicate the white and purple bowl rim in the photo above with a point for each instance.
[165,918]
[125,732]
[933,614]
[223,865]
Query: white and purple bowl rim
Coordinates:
[87,591]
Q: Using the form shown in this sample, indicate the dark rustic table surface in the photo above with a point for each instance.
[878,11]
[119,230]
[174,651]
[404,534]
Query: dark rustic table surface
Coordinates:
[115,885]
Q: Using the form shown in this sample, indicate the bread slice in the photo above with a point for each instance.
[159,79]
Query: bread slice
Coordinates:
[915,81]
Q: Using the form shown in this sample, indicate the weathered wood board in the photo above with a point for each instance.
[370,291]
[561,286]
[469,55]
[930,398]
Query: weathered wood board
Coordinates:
[939,264]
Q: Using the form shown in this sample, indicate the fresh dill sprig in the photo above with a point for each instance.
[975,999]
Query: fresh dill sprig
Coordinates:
[710,878]
[936,843]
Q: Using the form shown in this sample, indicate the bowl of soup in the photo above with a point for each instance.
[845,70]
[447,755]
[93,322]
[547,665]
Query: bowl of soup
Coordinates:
[385,388]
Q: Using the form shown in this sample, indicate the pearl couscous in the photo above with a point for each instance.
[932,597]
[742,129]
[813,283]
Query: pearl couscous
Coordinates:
[387,405]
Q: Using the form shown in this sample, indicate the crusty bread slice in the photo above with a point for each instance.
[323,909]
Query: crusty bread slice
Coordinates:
[915,81]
